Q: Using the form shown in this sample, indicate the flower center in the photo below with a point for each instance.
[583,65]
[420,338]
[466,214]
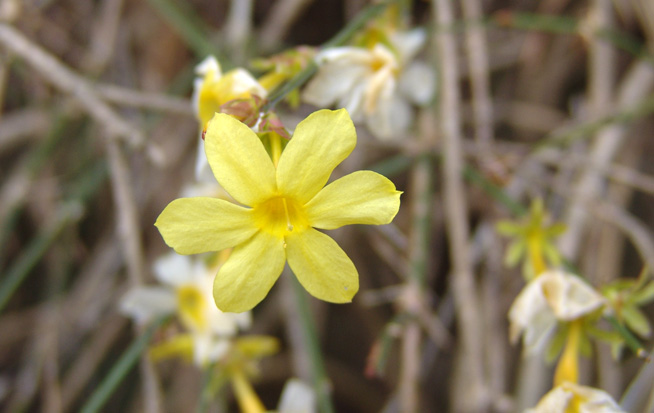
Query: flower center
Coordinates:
[280,216]
[191,305]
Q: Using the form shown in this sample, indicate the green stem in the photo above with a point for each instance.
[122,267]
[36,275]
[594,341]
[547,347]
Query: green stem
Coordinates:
[586,130]
[421,223]
[355,24]
[68,213]
[632,342]
[318,373]
[472,175]
[120,369]
[188,25]
[205,393]
[34,163]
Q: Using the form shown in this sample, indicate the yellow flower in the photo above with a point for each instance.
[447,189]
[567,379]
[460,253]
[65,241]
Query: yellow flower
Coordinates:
[533,241]
[283,204]
[212,88]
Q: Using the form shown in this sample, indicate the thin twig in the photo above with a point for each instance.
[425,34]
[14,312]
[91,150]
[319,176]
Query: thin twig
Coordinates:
[601,89]
[476,49]
[469,391]
[308,336]
[419,237]
[89,358]
[68,213]
[617,173]
[637,84]
[410,369]
[104,34]
[70,82]
[279,21]
[129,233]
[22,126]
[636,230]
[144,100]
[128,221]
[238,28]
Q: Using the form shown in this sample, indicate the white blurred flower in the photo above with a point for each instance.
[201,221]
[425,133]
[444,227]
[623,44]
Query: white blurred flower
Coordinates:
[551,297]
[376,85]
[297,397]
[187,290]
[573,398]
[211,90]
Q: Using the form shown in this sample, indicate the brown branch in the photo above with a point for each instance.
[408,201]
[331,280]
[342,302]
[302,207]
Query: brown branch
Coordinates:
[143,100]
[469,390]
[476,49]
[68,81]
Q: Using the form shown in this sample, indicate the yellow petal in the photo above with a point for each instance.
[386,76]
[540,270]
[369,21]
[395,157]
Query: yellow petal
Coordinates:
[238,160]
[196,225]
[249,273]
[362,197]
[320,142]
[180,345]
[321,266]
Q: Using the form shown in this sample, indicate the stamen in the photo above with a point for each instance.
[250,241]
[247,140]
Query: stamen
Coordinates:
[288,218]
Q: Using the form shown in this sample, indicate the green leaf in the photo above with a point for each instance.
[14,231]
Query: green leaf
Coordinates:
[123,365]
[556,229]
[620,284]
[556,344]
[528,270]
[616,349]
[644,295]
[508,228]
[585,347]
[636,320]
[537,210]
[514,253]
[552,254]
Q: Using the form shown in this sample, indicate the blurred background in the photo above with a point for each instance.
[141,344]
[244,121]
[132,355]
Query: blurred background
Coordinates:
[94,144]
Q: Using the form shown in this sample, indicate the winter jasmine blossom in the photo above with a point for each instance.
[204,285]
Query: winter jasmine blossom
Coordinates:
[297,397]
[552,297]
[376,83]
[533,241]
[186,291]
[212,88]
[284,200]
[573,398]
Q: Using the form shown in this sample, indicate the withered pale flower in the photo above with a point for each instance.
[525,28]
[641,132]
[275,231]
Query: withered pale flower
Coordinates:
[185,290]
[573,398]
[551,297]
[377,84]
